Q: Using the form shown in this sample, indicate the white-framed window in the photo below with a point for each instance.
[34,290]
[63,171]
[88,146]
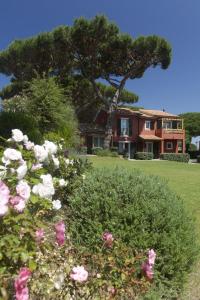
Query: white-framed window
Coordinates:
[147,125]
[167,124]
[180,146]
[98,141]
[169,145]
[124,126]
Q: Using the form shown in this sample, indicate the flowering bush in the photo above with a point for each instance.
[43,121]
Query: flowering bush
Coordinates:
[34,183]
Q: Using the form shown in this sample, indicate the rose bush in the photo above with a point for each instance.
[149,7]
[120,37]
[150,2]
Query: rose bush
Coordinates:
[34,183]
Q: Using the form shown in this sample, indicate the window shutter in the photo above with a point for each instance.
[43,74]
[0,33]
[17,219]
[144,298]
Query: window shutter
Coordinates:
[152,125]
[118,127]
[130,127]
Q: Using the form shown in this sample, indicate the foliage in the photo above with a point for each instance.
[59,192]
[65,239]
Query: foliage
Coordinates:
[192,123]
[198,158]
[192,147]
[26,123]
[46,102]
[141,212]
[104,152]
[193,154]
[144,155]
[112,273]
[16,104]
[34,182]
[181,157]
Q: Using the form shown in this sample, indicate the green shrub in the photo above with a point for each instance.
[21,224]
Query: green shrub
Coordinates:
[95,150]
[142,213]
[19,120]
[198,158]
[114,149]
[182,157]
[144,155]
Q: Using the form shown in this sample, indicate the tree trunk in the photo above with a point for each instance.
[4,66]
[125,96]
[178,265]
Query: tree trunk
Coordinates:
[109,127]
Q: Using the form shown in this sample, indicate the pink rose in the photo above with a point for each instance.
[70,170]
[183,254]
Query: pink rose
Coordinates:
[151,257]
[17,203]
[108,239]
[21,290]
[79,274]
[60,233]
[148,270]
[4,194]
[39,235]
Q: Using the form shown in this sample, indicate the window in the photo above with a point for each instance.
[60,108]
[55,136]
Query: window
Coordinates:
[180,146]
[167,124]
[169,145]
[148,147]
[148,125]
[98,141]
[124,127]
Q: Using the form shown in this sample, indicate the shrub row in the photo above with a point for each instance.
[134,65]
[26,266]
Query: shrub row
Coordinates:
[144,155]
[104,152]
[182,157]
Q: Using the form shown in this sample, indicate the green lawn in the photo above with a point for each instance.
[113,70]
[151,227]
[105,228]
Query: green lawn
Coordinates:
[184,179]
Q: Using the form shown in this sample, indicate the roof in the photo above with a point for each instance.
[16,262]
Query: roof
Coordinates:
[149,137]
[157,113]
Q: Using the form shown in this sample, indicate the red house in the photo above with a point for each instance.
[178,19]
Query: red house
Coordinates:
[138,131]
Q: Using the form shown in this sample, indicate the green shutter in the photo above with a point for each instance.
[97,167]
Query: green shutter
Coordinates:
[118,127]
[130,127]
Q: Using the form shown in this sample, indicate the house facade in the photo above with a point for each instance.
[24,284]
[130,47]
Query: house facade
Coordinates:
[138,131]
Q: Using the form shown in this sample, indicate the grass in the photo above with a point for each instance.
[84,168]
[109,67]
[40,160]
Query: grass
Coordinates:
[184,179]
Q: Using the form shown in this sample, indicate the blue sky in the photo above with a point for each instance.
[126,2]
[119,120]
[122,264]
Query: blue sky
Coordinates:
[176,89]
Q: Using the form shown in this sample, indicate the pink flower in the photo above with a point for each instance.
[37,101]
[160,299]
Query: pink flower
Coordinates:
[151,257]
[18,203]
[60,233]
[148,270]
[23,189]
[79,274]
[36,167]
[39,235]
[108,239]
[4,193]
[21,290]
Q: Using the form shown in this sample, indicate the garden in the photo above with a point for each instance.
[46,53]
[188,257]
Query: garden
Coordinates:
[70,230]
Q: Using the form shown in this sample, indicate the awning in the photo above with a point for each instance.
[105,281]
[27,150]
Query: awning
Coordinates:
[150,137]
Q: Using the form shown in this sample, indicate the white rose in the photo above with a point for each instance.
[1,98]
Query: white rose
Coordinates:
[23,189]
[25,139]
[67,161]
[43,191]
[62,182]
[56,204]
[40,153]
[47,179]
[21,171]
[56,161]
[11,154]
[50,147]
[29,145]
[17,135]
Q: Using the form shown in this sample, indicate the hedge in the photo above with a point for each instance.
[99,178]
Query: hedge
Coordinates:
[144,155]
[104,152]
[181,157]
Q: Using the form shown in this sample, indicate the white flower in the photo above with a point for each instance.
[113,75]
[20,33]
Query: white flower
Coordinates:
[36,167]
[50,147]
[17,135]
[46,189]
[58,281]
[56,161]
[11,154]
[21,171]
[62,182]
[56,204]
[83,176]
[67,161]
[25,139]
[40,153]
[29,145]
[23,189]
